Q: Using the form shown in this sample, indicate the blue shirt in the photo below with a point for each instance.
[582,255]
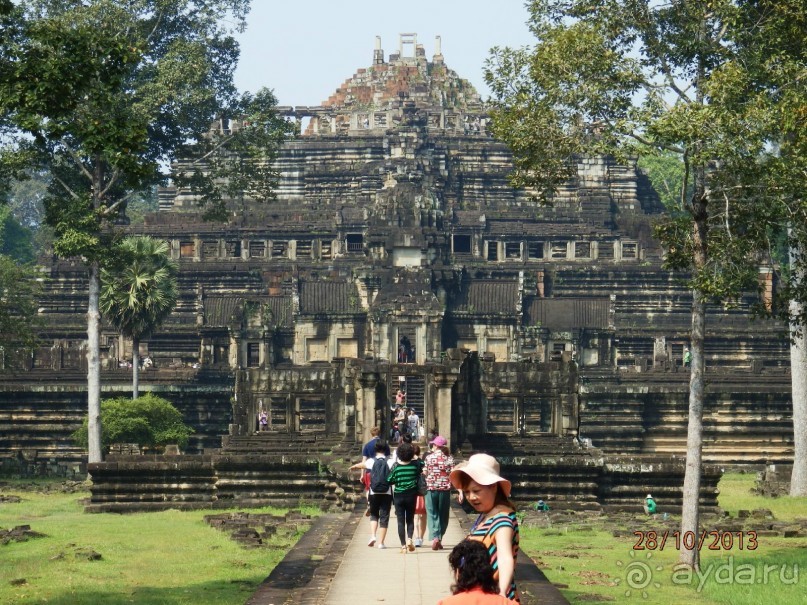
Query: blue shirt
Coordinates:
[368,451]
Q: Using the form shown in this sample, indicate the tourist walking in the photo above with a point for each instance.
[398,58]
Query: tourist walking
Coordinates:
[368,450]
[474,577]
[404,479]
[368,453]
[439,464]
[413,423]
[497,526]
[420,499]
[379,496]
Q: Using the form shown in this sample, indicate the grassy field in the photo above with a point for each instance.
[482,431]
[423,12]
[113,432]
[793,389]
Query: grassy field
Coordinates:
[586,557]
[168,558]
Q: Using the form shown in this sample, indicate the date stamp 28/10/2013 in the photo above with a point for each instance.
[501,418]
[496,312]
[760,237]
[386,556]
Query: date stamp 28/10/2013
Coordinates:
[689,540]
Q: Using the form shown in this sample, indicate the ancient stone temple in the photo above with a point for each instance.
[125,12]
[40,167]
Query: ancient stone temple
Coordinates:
[398,256]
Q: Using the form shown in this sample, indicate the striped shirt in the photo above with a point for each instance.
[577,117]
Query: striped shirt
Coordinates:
[405,476]
[484,531]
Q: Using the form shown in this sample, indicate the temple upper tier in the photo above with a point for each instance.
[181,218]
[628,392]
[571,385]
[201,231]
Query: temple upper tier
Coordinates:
[404,89]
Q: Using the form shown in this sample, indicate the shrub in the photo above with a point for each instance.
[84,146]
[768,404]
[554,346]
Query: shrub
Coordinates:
[148,421]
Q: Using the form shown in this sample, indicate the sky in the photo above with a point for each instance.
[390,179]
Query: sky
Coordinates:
[305,51]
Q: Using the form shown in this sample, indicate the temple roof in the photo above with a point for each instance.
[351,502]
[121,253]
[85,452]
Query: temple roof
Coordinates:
[401,78]
[488,297]
[328,297]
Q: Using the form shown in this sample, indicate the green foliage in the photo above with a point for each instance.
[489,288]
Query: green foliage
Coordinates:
[148,421]
[19,290]
[666,172]
[660,81]
[15,240]
[139,286]
[100,94]
[236,161]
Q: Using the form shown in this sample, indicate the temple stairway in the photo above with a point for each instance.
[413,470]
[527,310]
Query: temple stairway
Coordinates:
[568,475]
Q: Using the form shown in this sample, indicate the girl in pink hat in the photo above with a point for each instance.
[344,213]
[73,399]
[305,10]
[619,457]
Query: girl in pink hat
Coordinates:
[497,526]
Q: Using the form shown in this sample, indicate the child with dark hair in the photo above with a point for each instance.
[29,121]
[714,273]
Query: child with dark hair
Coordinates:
[473,575]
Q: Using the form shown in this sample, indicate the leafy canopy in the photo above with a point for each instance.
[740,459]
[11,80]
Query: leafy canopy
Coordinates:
[101,94]
[148,421]
[632,78]
[139,287]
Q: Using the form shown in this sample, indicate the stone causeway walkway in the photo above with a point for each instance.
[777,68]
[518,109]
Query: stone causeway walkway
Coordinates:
[332,565]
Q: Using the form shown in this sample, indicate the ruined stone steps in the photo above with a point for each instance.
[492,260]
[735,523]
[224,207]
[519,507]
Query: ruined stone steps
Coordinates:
[505,446]
[625,483]
[280,443]
[131,483]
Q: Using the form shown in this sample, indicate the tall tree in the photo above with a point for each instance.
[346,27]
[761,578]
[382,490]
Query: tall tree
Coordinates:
[102,93]
[637,77]
[138,292]
[774,50]
[19,291]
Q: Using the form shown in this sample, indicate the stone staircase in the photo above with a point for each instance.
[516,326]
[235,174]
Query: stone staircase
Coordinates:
[570,476]
[262,469]
[543,467]
[746,420]
[269,443]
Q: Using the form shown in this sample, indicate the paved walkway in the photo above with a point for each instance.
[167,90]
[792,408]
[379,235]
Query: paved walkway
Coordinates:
[332,565]
[392,578]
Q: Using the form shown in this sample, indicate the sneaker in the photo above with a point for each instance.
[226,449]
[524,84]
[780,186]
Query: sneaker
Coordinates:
[418,542]
[381,547]
[410,546]
[371,543]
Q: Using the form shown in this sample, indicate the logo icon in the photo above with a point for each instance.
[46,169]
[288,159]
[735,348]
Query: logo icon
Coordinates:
[638,575]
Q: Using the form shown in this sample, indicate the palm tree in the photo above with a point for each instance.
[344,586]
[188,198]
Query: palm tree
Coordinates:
[139,290]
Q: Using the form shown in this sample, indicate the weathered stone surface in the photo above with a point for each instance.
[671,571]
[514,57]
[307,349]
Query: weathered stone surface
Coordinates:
[398,255]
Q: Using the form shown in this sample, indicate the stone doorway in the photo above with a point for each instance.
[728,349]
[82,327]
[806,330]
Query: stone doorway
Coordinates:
[415,389]
[503,414]
[309,415]
[536,416]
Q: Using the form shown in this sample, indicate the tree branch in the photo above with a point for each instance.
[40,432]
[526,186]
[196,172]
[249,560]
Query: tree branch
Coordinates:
[66,187]
[80,164]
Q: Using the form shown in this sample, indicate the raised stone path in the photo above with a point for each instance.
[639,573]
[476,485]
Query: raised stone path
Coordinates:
[332,565]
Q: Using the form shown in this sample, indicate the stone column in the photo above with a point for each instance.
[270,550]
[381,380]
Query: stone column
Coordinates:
[366,404]
[443,381]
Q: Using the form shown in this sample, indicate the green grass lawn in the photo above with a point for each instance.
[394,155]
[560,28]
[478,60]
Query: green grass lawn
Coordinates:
[169,557]
[585,556]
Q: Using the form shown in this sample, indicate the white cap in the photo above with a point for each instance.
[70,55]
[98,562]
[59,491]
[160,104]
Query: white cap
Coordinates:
[649,496]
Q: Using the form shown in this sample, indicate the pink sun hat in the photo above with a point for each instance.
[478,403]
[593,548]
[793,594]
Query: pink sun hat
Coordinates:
[482,468]
[439,441]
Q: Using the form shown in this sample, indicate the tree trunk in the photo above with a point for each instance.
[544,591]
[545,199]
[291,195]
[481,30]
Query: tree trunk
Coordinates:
[94,366]
[798,377]
[135,366]
[690,514]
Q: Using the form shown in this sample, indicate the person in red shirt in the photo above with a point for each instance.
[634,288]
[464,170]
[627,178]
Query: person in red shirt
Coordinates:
[473,575]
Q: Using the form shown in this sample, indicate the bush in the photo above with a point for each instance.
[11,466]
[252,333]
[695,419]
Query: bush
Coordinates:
[148,421]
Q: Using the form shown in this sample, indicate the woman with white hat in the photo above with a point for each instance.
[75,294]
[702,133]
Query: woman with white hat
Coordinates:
[497,526]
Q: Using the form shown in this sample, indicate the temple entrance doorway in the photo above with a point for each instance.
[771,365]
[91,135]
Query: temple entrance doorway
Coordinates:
[503,414]
[536,416]
[512,415]
[309,415]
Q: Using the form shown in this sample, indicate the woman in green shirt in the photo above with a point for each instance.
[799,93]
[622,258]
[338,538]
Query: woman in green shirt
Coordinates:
[404,480]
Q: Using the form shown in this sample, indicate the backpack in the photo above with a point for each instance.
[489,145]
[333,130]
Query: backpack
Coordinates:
[378,476]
